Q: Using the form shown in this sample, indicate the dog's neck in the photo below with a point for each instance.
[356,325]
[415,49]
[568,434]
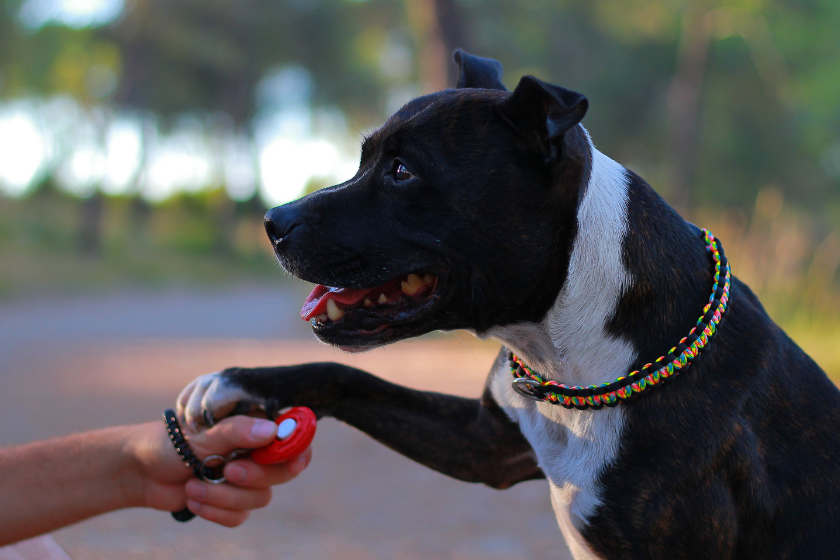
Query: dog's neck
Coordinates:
[578,341]
[597,278]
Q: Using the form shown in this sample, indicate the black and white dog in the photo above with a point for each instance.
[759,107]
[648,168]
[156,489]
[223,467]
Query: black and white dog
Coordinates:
[475,208]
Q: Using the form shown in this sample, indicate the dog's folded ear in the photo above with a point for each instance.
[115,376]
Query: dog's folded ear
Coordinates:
[478,72]
[548,110]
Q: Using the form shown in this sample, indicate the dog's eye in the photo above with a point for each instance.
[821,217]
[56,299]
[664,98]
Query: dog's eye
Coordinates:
[401,173]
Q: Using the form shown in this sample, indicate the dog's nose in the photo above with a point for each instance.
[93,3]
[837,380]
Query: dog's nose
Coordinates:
[279,222]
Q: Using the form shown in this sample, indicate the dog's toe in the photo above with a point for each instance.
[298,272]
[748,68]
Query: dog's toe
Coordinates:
[190,401]
[210,398]
[183,399]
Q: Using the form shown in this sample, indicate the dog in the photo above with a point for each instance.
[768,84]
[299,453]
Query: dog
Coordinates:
[481,209]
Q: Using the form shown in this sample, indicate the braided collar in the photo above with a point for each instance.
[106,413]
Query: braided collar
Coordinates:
[531,385]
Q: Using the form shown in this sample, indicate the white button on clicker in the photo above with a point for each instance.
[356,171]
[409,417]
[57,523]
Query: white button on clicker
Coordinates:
[286,428]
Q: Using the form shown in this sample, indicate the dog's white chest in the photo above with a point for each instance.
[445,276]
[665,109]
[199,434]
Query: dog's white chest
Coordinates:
[572,448]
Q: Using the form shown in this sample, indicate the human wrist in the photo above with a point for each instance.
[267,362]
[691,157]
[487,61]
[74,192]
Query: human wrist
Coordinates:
[140,444]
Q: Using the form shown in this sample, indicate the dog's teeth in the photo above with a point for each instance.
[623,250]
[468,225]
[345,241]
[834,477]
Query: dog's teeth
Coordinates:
[323,317]
[334,312]
[428,278]
[382,299]
[367,302]
[413,285]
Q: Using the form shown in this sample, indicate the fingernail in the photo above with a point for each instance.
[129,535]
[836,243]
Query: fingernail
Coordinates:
[193,506]
[196,490]
[262,429]
[235,473]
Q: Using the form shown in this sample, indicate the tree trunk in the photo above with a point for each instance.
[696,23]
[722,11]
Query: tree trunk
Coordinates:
[90,228]
[226,220]
[438,29]
[451,23]
[684,104]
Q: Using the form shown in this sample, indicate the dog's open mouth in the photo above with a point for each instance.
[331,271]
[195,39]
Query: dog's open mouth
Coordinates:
[342,312]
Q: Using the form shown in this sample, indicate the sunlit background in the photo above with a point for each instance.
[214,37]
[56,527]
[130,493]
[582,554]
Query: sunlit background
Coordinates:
[150,135]
[141,141]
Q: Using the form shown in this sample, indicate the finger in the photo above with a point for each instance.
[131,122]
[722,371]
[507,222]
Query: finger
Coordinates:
[227,496]
[232,433]
[223,517]
[251,475]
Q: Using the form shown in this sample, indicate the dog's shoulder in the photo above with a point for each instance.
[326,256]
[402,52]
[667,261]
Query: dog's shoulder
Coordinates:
[748,436]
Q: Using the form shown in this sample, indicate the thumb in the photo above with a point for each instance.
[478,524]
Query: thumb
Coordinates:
[235,432]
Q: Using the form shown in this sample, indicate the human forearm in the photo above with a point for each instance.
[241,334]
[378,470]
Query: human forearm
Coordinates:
[49,484]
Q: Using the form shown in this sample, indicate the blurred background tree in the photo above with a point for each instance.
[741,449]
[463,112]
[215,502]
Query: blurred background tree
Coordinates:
[150,135]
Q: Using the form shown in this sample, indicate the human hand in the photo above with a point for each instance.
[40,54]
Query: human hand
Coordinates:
[162,481]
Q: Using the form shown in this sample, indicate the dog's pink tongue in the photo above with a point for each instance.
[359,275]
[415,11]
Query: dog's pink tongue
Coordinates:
[316,303]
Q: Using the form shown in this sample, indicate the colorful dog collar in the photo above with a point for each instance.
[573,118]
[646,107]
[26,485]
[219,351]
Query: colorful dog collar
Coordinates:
[531,385]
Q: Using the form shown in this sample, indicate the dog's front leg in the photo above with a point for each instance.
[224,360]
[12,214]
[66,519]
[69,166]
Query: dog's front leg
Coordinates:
[468,439]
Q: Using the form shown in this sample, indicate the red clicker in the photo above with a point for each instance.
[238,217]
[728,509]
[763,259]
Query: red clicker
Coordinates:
[295,431]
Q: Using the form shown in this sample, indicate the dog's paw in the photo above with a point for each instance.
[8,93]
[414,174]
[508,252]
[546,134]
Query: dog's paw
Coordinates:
[211,397]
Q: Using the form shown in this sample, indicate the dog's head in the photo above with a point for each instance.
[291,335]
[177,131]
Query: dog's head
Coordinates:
[461,215]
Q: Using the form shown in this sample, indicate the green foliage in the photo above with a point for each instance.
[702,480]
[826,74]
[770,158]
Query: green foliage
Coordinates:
[770,100]
[768,113]
[211,54]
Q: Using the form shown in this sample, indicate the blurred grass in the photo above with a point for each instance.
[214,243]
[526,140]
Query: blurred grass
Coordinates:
[791,262]
[200,240]
[822,343]
[205,239]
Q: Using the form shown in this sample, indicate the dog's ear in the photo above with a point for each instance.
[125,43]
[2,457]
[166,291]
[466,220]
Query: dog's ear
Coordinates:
[549,110]
[478,72]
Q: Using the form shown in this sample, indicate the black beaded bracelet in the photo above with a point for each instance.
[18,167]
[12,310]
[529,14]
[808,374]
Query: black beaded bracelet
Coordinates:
[184,451]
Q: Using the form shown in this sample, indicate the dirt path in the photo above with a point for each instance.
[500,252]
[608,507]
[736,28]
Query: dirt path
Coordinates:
[73,365]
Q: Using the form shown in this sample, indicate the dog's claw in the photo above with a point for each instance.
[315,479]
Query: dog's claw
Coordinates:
[208,418]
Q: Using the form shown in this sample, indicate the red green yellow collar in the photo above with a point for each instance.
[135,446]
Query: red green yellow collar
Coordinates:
[531,385]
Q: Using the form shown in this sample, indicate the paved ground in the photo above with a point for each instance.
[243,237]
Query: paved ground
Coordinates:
[73,364]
